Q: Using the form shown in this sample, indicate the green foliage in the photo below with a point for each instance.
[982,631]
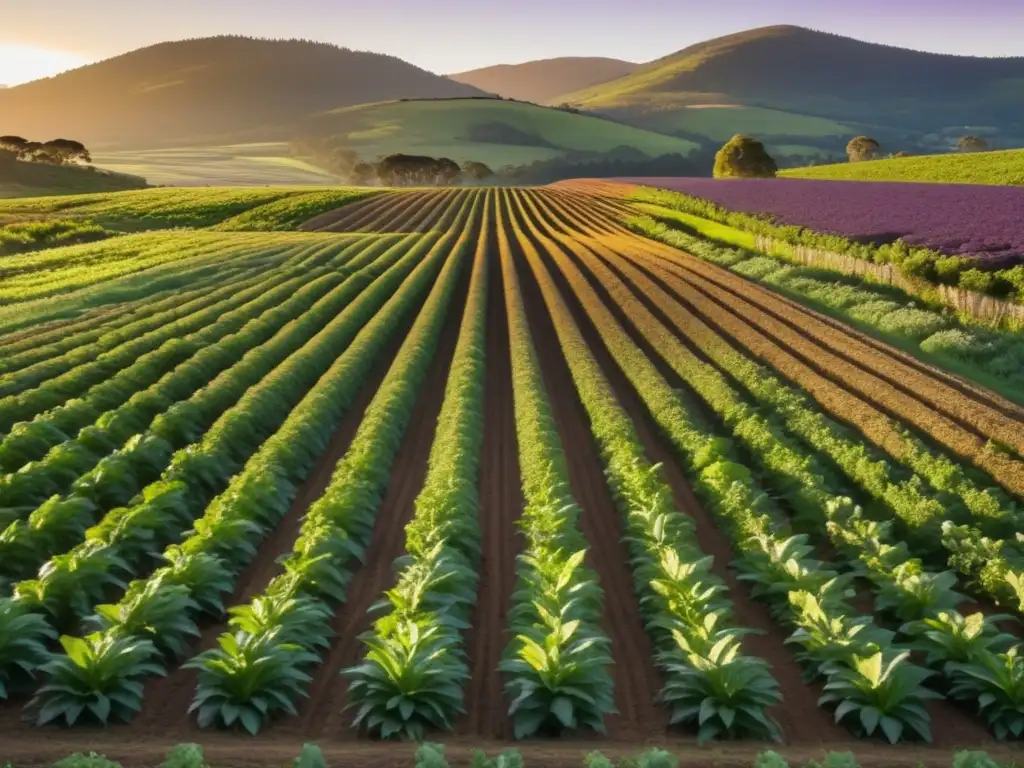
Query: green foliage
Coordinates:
[744,157]
[97,675]
[973,759]
[90,760]
[36,235]
[1002,167]
[248,679]
[311,756]
[770,759]
[293,211]
[430,755]
[994,358]
[882,694]
[185,756]
[23,639]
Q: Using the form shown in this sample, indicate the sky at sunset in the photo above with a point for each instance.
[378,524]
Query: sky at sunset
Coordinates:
[453,35]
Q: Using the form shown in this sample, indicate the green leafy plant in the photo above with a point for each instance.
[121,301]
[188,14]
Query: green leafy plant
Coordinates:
[156,610]
[91,760]
[884,692]
[430,755]
[98,675]
[996,683]
[311,756]
[248,679]
[950,636]
[973,759]
[770,759]
[724,693]
[510,758]
[185,756]
[23,639]
[409,682]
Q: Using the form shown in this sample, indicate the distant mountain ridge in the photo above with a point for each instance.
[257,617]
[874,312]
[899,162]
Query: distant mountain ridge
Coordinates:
[545,80]
[212,89]
[829,76]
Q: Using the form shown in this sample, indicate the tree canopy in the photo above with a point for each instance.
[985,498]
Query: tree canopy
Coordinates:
[971,144]
[53,152]
[862,148]
[744,157]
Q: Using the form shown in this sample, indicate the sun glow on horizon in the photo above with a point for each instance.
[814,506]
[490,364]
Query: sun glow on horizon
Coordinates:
[24,63]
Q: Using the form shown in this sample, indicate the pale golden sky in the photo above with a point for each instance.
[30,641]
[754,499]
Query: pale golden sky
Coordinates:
[447,36]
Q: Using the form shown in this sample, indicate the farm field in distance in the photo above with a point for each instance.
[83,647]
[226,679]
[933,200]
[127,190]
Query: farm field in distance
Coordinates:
[480,466]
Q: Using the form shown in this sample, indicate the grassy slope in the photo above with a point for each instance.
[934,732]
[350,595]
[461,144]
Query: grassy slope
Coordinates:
[724,121]
[800,72]
[546,80]
[447,128]
[31,179]
[211,91]
[239,164]
[1003,167]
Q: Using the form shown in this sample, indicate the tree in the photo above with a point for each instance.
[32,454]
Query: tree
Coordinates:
[476,171]
[15,144]
[362,174]
[744,157]
[862,148]
[65,151]
[971,144]
[445,171]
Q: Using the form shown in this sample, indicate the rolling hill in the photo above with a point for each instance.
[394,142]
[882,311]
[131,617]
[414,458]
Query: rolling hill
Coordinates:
[211,90]
[18,179]
[806,77]
[491,131]
[545,80]
[1005,167]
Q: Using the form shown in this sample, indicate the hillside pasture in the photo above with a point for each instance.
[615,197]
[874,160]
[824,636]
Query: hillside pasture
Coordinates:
[1002,167]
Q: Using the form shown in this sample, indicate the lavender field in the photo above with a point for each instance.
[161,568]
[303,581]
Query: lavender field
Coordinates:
[967,220]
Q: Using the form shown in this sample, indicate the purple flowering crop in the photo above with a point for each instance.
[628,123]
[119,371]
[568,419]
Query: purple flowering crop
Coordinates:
[986,222]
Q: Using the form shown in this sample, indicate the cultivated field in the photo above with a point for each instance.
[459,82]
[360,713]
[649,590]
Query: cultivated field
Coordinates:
[1000,167]
[485,466]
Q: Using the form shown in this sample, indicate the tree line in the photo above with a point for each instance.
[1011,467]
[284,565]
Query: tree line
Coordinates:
[53,152]
[745,157]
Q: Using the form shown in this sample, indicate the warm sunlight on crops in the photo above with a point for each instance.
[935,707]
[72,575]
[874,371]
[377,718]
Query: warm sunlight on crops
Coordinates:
[22,63]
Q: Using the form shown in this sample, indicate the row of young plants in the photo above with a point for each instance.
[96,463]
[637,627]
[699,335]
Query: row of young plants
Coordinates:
[49,277]
[980,502]
[989,674]
[52,382]
[412,677]
[867,675]
[258,670]
[556,663]
[21,351]
[29,441]
[60,522]
[908,498]
[69,585]
[156,620]
[102,477]
[710,685]
[977,662]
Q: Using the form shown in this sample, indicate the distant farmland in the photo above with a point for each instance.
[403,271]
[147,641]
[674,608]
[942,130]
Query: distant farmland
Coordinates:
[570,466]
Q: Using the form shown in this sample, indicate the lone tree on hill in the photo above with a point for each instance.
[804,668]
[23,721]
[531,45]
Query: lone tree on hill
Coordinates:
[862,148]
[971,144]
[744,157]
